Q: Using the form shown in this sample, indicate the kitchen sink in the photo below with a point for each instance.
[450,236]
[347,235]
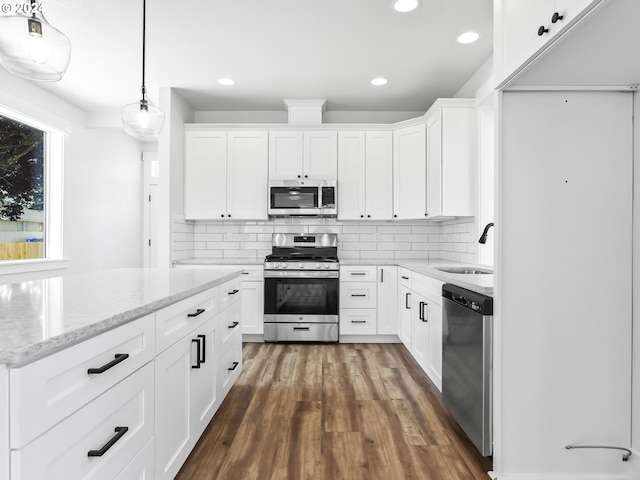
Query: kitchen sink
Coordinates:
[465,270]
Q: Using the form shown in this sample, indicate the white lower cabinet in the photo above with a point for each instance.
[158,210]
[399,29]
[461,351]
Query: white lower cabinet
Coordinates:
[97,441]
[358,300]
[387,300]
[186,396]
[421,324]
[142,467]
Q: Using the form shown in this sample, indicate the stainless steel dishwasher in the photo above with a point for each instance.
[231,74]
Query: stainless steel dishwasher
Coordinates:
[467,362]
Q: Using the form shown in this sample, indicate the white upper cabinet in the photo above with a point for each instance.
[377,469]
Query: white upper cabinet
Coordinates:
[303,155]
[225,175]
[365,175]
[205,179]
[409,172]
[451,160]
[247,162]
[523,27]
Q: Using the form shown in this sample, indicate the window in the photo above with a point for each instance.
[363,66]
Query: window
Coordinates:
[30,213]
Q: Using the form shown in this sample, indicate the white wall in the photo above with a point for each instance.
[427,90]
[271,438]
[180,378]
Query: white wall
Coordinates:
[102,182]
[635,406]
[331,116]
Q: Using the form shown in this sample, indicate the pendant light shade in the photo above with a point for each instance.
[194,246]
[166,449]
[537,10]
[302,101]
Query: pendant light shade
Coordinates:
[31,48]
[143,119]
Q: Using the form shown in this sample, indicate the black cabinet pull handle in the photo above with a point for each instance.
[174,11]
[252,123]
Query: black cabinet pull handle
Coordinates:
[368,216]
[382,275]
[421,315]
[204,345]
[120,431]
[358,321]
[222,215]
[234,291]
[198,312]
[198,361]
[234,325]
[361,216]
[358,294]
[233,366]
[404,278]
[406,300]
[424,315]
[542,30]
[306,329]
[358,273]
[556,16]
[299,176]
[245,273]
[119,357]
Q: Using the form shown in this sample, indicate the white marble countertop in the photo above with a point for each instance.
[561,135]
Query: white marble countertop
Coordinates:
[219,261]
[478,283]
[39,317]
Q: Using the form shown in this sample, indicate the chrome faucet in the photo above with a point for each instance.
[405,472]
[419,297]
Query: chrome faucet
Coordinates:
[483,237]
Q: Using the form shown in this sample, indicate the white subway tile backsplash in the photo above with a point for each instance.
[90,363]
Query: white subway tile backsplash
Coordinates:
[449,240]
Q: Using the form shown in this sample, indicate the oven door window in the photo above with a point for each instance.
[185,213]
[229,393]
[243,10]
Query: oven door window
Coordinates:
[301,296]
[294,197]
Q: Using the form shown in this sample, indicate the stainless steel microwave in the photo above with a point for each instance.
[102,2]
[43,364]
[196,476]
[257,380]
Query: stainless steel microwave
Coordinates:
[293,198]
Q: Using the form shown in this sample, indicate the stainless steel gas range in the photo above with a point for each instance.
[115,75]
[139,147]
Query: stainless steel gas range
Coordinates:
[301,288]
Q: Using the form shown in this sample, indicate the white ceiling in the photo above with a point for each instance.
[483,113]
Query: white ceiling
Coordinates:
[274,49]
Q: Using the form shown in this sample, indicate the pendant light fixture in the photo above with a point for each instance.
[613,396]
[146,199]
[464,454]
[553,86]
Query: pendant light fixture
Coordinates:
[30,47]
[143,119]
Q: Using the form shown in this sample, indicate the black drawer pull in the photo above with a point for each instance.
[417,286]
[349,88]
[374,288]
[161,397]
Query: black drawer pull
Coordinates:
[358,273]
[120,431]
[120,357]
[358,321]
[198,352]
[234,291]
[233,366]
[406,300]
[234,325]
[358,294]
[245,273]
[198,312]
[404,278]
[306,329]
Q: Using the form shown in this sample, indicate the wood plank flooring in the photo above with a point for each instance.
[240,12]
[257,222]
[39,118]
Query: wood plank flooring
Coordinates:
[331,412]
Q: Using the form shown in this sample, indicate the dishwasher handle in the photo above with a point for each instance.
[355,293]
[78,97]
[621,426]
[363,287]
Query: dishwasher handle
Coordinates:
[460,299]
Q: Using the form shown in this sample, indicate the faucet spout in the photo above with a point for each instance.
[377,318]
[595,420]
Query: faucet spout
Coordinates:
[483,237]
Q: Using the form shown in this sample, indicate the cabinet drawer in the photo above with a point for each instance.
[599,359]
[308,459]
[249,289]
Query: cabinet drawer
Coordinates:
[354,321]
[177,320]
[251,273]
[142,467]
[45,392]
[230,327]
[357,274]
[405,277]
[230,368]
[358,295]
[428,287]
[230,292]
[63,452]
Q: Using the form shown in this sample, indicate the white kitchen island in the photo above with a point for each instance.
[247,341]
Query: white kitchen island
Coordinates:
[114,374]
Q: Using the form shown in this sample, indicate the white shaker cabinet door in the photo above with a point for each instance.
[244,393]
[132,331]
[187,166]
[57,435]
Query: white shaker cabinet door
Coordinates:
[409,173]
[247,169]
[351,175]
[388,300]
[379,175]
[320,155]
[285,155]
[205,175]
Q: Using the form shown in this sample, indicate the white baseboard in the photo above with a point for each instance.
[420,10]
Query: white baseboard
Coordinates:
[369,339]
[531,476]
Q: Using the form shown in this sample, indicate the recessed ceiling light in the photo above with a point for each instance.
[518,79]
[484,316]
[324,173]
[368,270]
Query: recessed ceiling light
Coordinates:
[227,81]
[468,37]
[404,6]
[379,81]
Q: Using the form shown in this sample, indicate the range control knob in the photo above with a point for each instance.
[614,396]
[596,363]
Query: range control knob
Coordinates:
[283,265]
[326,266]
[301,265]
[317,265]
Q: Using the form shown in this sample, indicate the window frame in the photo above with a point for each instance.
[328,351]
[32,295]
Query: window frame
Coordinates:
[53,177]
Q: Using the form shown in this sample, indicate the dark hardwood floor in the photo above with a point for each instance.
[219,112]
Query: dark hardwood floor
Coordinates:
[331,412]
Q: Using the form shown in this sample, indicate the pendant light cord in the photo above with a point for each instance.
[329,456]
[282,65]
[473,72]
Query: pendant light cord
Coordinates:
[144,36]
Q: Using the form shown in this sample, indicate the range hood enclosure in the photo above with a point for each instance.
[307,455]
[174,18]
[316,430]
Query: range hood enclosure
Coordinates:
[305,112]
